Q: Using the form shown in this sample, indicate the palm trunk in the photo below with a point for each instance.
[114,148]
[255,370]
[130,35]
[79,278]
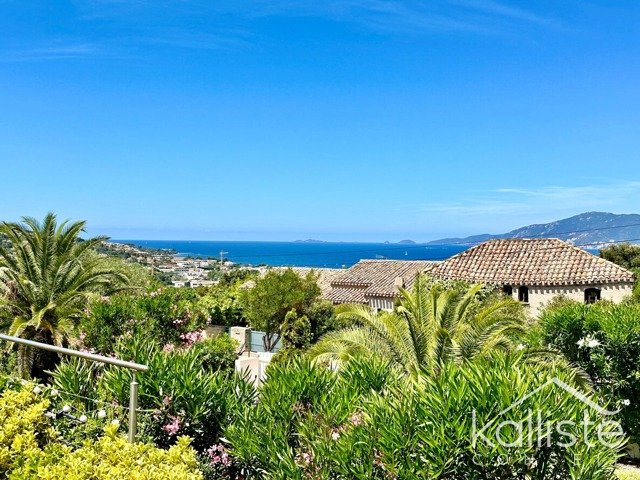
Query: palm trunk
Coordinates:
[24,361]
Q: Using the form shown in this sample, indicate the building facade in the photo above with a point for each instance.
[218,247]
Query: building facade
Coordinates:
[376,282]
[534,271]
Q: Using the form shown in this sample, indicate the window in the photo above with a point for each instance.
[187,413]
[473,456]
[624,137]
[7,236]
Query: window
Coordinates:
[507,290]
[591,295]
[523,294]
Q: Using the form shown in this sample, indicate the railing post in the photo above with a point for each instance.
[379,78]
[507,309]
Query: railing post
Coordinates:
[133,408]
[134,367]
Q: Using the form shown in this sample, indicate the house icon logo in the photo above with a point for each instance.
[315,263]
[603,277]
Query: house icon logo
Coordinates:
[538,427]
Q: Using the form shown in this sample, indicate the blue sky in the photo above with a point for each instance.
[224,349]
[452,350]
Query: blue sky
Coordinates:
[339,120]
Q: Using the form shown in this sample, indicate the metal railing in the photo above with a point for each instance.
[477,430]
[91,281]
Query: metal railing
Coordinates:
[134,367]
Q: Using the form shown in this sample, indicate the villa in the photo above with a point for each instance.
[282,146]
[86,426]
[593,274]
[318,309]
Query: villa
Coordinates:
[536,270]
[376,282]
[533,271]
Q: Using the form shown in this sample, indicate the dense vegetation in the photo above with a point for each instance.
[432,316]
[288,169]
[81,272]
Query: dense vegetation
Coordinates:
[369,421]
[626,255]
[278,295]
[604,340]
[353,394]
[434,324]
[32,446]
[48,277]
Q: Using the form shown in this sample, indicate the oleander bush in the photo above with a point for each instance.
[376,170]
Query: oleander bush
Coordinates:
[164,315]
[367,422]
[77,379]
[187,391]
[171,316]
[180,395]
[604,340]
[217,353]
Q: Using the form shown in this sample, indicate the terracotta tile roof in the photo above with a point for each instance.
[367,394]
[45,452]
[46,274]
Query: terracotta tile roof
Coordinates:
[375,278]
[543,261]
[347,295]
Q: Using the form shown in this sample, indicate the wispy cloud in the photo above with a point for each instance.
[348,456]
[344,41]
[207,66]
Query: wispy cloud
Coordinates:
[120,28]
[470,16]
[389,16]
[224,39]
[598,193]
[545,200]
[56,52]
[491,7]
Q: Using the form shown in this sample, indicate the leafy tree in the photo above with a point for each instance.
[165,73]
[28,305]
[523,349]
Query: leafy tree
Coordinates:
[296,331]
[624,254]
[323,319]
[138,277]
[47,274]
[214,273]
[431,326]
[628,256]
[237,275]
[603,340]
[278,292]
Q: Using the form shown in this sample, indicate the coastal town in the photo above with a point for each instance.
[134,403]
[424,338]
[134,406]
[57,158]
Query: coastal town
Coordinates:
[174,269]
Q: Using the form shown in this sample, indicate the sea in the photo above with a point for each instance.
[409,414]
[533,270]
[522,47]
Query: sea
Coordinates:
[301,254]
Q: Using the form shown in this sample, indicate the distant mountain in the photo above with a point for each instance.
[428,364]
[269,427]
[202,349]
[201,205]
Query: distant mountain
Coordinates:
[591,229]
[310,240]
[407,242]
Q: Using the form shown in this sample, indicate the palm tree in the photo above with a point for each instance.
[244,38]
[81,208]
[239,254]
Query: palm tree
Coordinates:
[432,325]
[47,274]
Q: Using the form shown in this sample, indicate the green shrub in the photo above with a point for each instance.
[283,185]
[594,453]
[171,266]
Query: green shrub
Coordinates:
[166,315]
[76,380]
[627,473]
[300,331]
[183,397]
[110,319]
[296,331]
[265,440]
[323,319]
[24,429]
[8,362]
[312,422]
[604,340]
[221,304]
[217,353]
[30,447]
